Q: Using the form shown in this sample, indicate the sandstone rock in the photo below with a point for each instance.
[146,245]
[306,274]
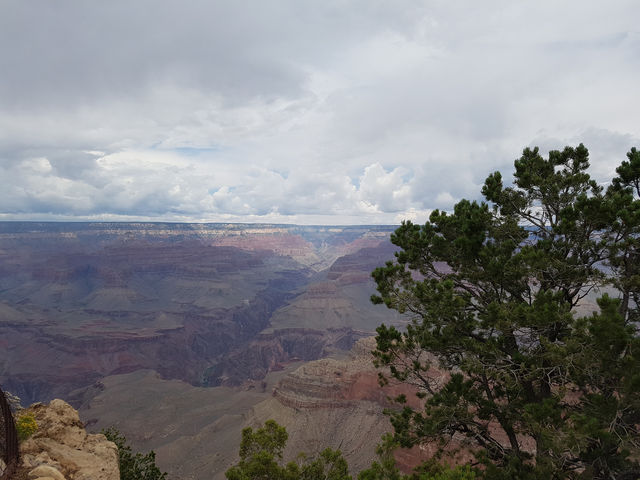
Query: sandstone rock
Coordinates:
[42,458]
[61,448]
[45,471]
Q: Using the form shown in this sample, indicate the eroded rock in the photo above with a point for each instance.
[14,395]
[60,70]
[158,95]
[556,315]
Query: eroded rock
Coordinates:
[45,471]
[61,449]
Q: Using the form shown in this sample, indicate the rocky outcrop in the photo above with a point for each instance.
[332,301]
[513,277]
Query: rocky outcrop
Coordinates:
[61,449]
[335,403]
[332,383]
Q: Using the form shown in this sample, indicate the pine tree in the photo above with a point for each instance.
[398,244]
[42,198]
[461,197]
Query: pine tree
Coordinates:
[261,454]
[492,291]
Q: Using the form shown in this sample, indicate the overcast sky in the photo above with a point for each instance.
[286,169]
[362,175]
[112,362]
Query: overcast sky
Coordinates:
[294,111]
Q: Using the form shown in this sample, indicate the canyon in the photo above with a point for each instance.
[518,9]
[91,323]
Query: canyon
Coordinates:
[196,432]
[181,334]
[210,306]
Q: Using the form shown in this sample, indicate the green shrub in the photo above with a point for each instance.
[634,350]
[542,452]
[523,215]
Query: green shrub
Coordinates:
[26,426]
[261,458]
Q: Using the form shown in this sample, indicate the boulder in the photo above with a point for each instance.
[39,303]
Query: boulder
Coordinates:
[61,448]
[45,471]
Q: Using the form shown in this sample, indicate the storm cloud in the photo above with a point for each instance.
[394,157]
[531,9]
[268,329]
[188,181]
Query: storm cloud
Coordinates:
[299,111]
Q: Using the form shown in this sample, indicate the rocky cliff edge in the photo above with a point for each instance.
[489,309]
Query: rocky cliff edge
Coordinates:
[61,449]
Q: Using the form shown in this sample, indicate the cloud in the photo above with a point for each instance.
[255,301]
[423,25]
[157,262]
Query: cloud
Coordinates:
[290,111]
[385,191]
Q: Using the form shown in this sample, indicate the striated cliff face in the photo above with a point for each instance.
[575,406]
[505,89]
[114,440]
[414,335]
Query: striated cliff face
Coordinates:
[40,362]
[61,449]
[271,351]
[331,383]
[332,403]
[73,316]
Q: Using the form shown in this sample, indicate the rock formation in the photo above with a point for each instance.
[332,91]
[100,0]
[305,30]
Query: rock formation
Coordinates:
[79,302]
[332,403]
[61,449]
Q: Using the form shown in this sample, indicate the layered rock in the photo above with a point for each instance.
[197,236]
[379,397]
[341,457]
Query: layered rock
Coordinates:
[331,383]
[61,449]
[332,403]
[82,301]
[271,351]
[179,324]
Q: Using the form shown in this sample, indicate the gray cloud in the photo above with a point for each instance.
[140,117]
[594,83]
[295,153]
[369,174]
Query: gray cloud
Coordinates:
[327,112]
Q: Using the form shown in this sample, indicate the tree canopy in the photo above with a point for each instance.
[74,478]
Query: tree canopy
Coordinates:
[261,459]
[134,466]
[261,453]
[499,292]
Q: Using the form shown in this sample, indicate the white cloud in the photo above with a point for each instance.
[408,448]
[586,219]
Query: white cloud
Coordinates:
[386,191]
[444,199]
[332,111]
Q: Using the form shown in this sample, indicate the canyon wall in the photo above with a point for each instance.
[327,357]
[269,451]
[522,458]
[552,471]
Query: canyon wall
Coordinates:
[207,304]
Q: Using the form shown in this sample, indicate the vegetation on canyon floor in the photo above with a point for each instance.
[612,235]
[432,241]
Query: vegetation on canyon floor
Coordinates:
[536,389]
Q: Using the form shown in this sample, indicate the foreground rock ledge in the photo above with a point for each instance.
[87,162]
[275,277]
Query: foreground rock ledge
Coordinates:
[61,448]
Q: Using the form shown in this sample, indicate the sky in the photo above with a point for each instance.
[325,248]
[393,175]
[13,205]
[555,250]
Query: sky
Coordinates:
[297,111]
